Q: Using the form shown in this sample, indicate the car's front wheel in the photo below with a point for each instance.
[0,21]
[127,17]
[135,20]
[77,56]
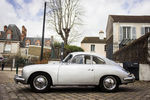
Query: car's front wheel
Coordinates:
[40,82]
[109,83]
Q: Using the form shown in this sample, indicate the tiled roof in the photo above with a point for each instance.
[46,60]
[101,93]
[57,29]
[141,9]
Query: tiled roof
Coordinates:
[131,19]
[15,33]
[34,39]
[93,40]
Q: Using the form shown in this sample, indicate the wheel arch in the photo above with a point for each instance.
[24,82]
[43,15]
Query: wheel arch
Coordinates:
[38,72]
[117,77]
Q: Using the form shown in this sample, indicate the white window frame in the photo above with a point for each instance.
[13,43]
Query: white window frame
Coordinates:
[144,26]
[92,49]
[126,32]
[9,36]
[27,44]
[7,48]
[148,29]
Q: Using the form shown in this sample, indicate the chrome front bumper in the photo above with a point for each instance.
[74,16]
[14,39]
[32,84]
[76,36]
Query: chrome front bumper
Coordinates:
[20,79]
[129,79]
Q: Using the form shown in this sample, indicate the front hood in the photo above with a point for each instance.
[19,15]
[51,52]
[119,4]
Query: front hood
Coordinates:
[40,66]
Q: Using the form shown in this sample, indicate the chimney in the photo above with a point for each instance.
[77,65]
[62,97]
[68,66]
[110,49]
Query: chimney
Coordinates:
[5,28]
[101,35]
[24,31]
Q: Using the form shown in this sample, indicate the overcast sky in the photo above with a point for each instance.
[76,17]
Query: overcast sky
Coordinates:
[30,14]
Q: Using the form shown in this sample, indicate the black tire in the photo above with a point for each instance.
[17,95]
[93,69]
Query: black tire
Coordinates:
[109,84]
[40,79]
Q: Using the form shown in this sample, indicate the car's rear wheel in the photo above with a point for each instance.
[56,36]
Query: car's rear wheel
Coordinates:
[40,82]
[109,83]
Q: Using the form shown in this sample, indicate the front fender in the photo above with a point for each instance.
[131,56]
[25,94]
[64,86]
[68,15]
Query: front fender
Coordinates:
[52,70]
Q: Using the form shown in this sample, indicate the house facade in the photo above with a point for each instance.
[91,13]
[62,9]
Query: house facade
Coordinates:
[94,44]
[13,42]
[10,40]
[122,30]
[32,46]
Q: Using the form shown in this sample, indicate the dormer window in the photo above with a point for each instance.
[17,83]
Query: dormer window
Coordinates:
[27,44]
[37,42]
[8,36]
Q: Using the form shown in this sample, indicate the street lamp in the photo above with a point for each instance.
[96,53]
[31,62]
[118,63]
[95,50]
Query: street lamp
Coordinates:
[41,57]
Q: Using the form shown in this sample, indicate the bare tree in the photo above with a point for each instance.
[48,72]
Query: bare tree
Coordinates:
[64,15]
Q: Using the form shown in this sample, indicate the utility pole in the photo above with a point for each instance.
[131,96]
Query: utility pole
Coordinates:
[41,58]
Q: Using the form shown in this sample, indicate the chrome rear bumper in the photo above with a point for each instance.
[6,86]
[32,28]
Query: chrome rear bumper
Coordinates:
[18,78]
[129,79]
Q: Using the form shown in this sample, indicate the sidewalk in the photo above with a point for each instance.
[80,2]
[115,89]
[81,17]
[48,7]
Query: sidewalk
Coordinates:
[9,69]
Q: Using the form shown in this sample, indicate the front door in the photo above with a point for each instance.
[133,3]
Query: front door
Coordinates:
[79,72]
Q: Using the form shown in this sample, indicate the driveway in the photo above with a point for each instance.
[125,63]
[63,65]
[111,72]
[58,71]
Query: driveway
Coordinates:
[11,91]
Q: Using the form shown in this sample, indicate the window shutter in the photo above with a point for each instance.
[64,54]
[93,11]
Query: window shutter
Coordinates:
[142,31]
[121,34]
[133,32]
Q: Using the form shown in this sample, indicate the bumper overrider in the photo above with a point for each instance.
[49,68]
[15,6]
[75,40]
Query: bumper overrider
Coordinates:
[130,78]
[19,78]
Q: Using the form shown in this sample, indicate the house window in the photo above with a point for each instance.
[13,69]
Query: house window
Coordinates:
[27,44]
[147,29]
[38,44]
[92,47]
[7,48]
[126,32]
[8,36]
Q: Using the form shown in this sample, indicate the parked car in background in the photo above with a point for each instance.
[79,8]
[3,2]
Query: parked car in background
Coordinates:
[78,68]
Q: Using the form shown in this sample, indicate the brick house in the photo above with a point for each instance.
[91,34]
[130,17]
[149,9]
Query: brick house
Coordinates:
[10,40]
[14,42]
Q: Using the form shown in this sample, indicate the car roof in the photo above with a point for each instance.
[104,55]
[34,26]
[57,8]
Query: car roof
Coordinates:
[86,53]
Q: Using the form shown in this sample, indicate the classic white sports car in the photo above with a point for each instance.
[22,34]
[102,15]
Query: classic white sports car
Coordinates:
[78,68]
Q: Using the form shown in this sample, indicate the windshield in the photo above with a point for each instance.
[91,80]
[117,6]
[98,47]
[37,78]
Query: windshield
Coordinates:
[68,58]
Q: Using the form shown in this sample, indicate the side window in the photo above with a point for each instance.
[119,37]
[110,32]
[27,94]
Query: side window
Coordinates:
[68,58]
[87,59]
[78,59]
[97,60]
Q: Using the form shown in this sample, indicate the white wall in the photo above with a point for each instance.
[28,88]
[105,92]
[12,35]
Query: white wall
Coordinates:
[1,47]
[15,48]
[116,32]
[99,48]
[144,72]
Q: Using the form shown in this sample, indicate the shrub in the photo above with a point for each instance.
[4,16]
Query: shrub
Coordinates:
[70,48]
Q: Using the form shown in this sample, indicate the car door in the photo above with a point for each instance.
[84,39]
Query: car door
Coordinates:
[100,67]
[79,72]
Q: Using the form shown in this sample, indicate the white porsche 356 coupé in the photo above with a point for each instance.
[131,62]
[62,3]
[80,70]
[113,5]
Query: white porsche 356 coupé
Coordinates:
[78,68]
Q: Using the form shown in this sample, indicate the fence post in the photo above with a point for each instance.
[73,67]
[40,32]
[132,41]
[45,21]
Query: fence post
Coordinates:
[62,51]
[17,68]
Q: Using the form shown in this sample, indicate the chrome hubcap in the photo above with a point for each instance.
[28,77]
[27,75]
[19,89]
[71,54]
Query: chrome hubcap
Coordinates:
[40,82]
[109,83]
